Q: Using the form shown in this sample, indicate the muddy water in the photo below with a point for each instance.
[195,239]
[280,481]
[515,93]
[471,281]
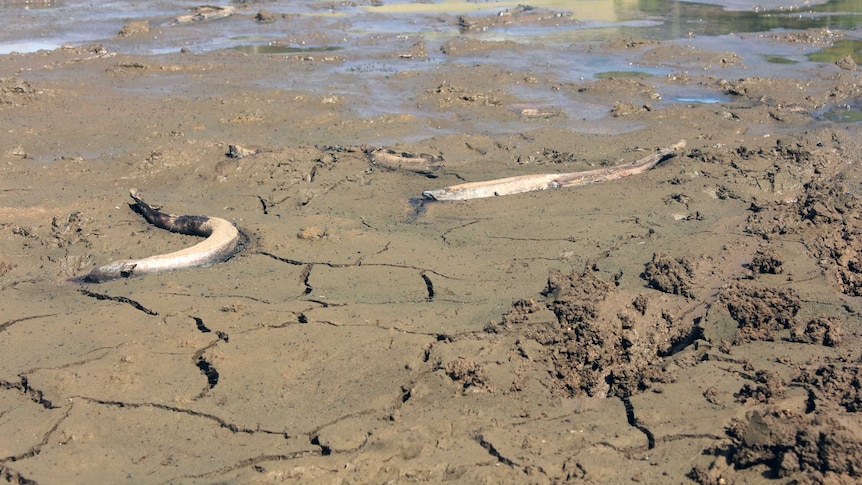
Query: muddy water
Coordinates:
[699,321]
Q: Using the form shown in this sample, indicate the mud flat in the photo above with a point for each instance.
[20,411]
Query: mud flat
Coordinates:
[696,322]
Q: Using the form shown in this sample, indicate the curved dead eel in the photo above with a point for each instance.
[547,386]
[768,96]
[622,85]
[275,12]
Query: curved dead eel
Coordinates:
[222,241]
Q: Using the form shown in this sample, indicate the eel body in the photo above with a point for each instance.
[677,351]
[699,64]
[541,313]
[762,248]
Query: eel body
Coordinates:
[529,183]
[222,241]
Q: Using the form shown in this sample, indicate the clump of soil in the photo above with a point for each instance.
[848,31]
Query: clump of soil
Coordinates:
[766,261]
[622,108]
[760,311]
[14,90]
[840,382]
[768,387]
[805,447]
[519,312]
[827,215]
[575,296]
[838,243]
[670,275]
[595,348]
[133,28]
[469,374]
[311,233]
[826,331]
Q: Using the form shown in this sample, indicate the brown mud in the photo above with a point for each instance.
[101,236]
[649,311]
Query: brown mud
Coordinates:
[699,322]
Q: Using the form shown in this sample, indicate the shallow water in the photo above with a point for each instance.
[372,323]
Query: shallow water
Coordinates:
[372,43]
[31,25]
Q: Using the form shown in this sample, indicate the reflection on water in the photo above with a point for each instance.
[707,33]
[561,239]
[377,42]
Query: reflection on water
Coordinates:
[49,22]
[839,50]
[594,10]
[622,75]
[28,4]
[779,59]
[844,115]
[280,49]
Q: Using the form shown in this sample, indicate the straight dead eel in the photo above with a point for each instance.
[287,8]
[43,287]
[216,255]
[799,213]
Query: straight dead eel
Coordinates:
[544,181]
[222,241]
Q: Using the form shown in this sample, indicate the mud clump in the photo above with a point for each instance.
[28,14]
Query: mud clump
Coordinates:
[827,216]
[469,374]
[625,109]
[264,17]
[835,382]
[826,331]
[760,312]
[14,90]
[133,28]
[768,386]
[806,448]
[575,296]
[766,261]
[519,313]
[669,275]
[838,243]
[595,349]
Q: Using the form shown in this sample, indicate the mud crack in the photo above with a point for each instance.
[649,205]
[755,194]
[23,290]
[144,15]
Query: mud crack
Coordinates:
[305,275]
[206,368]
[120,299]
[429,285]
[36,449]
[23,386]
[255,462]
[494,451]
[5,325]
[202,328]
[211,417]
[11,476]
[633,422]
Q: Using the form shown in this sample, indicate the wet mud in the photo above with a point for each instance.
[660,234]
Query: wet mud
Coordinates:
[697,322]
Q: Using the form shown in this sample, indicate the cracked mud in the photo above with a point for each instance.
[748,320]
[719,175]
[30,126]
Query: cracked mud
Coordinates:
[700,322]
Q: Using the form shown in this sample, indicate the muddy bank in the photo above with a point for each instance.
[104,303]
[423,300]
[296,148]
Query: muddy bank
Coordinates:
[696,322]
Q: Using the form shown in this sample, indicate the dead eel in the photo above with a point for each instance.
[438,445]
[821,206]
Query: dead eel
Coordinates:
[222,241]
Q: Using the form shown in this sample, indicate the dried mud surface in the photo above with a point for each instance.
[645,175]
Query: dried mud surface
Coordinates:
[697,323]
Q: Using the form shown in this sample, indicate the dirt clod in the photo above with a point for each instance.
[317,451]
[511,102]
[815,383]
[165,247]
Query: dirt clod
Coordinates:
[670,275]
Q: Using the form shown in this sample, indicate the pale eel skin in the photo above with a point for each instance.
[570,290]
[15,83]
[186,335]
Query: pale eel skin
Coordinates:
[222,241]
[529,183]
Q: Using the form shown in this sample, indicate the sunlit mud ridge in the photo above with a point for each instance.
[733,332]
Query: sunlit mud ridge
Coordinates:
[222,242]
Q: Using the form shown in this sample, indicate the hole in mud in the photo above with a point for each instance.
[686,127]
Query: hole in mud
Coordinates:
[324,450]
[208,370]
[200,324]
[429,286]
